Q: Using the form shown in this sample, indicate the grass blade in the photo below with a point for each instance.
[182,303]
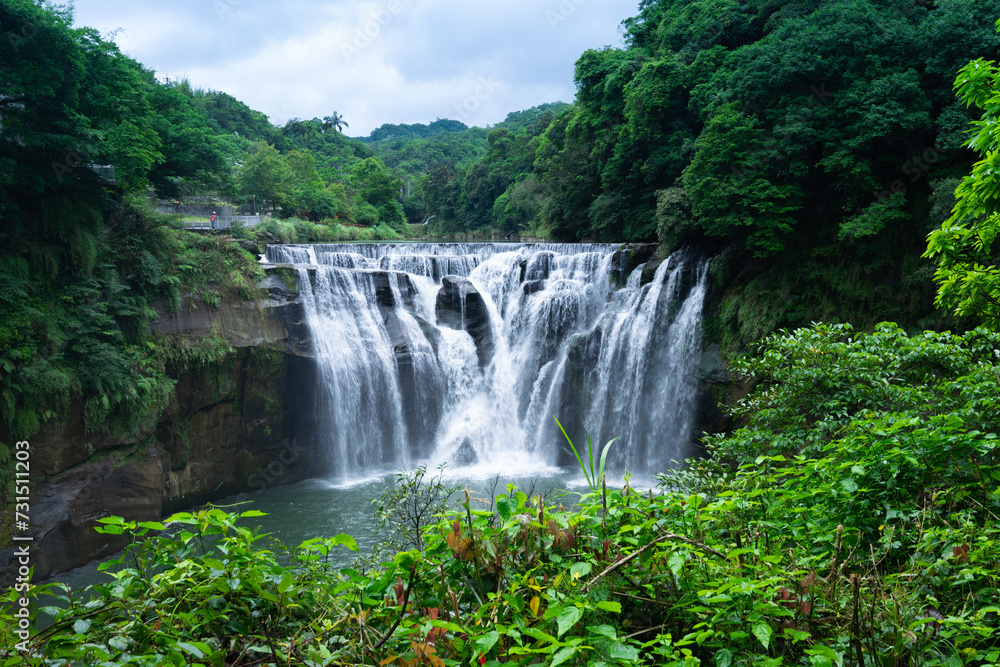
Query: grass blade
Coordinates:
[579,460]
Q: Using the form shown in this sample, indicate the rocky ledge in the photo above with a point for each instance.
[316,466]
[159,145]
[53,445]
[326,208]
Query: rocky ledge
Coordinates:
[232,425]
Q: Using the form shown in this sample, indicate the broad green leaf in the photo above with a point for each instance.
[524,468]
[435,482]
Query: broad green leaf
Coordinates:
[676,562]
[567,619]
[505,507]
[823,656]
[214,564]
[561,656]
[539,635]
[624,652]
[192,649]
[603,630]
[613,607]
[796,635]
[345,540]
[762,631]
[486,642]
[406,560]
[723,658]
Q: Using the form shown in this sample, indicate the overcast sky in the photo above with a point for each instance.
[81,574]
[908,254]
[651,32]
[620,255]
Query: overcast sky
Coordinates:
[374,62]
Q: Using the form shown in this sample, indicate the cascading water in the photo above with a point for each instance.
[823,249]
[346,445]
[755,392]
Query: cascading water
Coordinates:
[461,353]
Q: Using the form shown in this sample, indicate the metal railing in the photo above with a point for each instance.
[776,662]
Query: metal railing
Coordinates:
[222,222]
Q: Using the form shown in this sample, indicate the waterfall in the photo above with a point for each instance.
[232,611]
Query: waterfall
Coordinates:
[461,354]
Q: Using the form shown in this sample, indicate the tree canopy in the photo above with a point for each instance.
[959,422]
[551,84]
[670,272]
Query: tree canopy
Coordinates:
[966,247]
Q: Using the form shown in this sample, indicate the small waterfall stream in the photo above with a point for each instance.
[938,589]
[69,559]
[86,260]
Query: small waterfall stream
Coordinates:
[461,353]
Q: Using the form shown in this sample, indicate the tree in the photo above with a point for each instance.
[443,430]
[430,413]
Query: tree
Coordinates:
[378,187]
[266,175]
[335,123]
[302,133]
[441,191]
[65,102]
[193,157]
[966,247]
[731,189]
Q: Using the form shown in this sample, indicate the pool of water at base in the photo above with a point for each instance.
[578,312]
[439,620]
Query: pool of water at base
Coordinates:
[319,508]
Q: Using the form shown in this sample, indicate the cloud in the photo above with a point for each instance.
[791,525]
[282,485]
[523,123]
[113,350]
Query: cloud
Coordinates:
[373,61]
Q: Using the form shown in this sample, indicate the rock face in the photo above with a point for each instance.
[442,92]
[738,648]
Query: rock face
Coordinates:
[461,306]
[584,350]
[235,425]
[629,258]
[420,416]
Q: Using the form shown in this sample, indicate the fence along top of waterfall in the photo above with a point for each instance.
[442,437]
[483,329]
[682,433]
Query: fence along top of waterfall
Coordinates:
[462,353]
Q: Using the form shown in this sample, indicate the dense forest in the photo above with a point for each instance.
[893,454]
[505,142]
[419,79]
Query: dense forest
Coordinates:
[810,147]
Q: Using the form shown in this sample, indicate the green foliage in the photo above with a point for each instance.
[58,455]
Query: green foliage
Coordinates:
[404,511]
[853,519]
[181,354]
[214,269]
[229,116]
[51,207]
[803,141]
[388,131]
[367,215]
[966,247]
[595,477]
[193,155]
[821,379]
[266,176]
[379,189]
[88,338]
[730,189]
[294,230]
[206,592]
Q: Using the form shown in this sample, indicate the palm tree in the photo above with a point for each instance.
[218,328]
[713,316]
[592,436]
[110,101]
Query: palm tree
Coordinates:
[335,123]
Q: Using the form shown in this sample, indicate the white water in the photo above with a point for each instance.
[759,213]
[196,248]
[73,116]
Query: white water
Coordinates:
[402,381]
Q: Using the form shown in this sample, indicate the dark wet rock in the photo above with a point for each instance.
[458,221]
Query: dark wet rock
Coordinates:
[582,356]
[431,332]
[461,306]
[649,270]
[384,293]
[231,427]
[540,266]
[239,424]
[465,455]
[628,258]
[532,287]
[253,247]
